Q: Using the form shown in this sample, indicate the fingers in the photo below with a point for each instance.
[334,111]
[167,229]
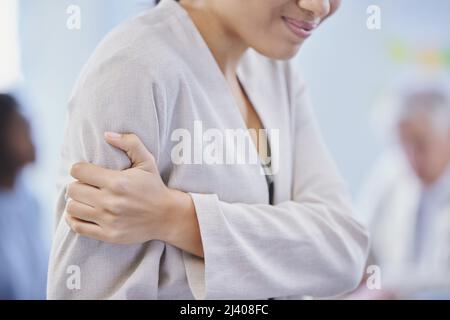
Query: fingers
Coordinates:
[91,174]
[139,155]
[86,229]
[85,194]
[84,212]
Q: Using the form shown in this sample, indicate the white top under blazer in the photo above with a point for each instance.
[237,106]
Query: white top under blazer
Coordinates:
[155,74]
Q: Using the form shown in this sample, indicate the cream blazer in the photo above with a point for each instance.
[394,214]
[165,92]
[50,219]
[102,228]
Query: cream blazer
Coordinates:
[155,74]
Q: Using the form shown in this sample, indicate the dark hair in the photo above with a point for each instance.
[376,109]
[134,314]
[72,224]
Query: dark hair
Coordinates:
[8,110]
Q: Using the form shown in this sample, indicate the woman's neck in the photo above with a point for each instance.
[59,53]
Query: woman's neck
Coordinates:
[226,47]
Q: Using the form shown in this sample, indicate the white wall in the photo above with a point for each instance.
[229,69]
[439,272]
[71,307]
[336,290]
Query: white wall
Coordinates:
[9,45]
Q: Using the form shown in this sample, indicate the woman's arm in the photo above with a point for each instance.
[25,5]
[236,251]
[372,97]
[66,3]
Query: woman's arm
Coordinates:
[308,246]
[132,206]
[116,92]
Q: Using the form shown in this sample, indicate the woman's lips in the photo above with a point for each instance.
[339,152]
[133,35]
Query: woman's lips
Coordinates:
[301,29]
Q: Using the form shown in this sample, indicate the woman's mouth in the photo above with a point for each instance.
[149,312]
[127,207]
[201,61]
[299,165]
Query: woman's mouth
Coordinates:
[301,29]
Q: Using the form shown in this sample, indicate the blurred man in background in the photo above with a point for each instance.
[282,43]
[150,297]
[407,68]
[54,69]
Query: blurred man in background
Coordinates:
[406,202]
[23,253]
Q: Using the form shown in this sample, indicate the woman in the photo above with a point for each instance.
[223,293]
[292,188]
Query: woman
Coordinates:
[23,253]
[140,224]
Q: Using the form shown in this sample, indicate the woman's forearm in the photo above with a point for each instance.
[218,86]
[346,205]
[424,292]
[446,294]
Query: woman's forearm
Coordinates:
[183,230]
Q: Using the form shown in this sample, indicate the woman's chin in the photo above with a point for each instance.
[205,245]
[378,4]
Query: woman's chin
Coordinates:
[281,52]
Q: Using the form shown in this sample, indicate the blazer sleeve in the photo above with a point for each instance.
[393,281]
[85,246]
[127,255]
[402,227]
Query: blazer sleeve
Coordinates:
[115,94]
[309,246]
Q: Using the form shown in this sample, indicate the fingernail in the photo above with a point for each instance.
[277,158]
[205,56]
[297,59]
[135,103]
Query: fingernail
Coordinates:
[113,135]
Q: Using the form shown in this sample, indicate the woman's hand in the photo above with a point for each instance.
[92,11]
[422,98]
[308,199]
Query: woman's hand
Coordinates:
[130,206]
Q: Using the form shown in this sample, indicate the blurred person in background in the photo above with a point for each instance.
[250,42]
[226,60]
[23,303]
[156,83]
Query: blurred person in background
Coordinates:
[406,201]
[23,253]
